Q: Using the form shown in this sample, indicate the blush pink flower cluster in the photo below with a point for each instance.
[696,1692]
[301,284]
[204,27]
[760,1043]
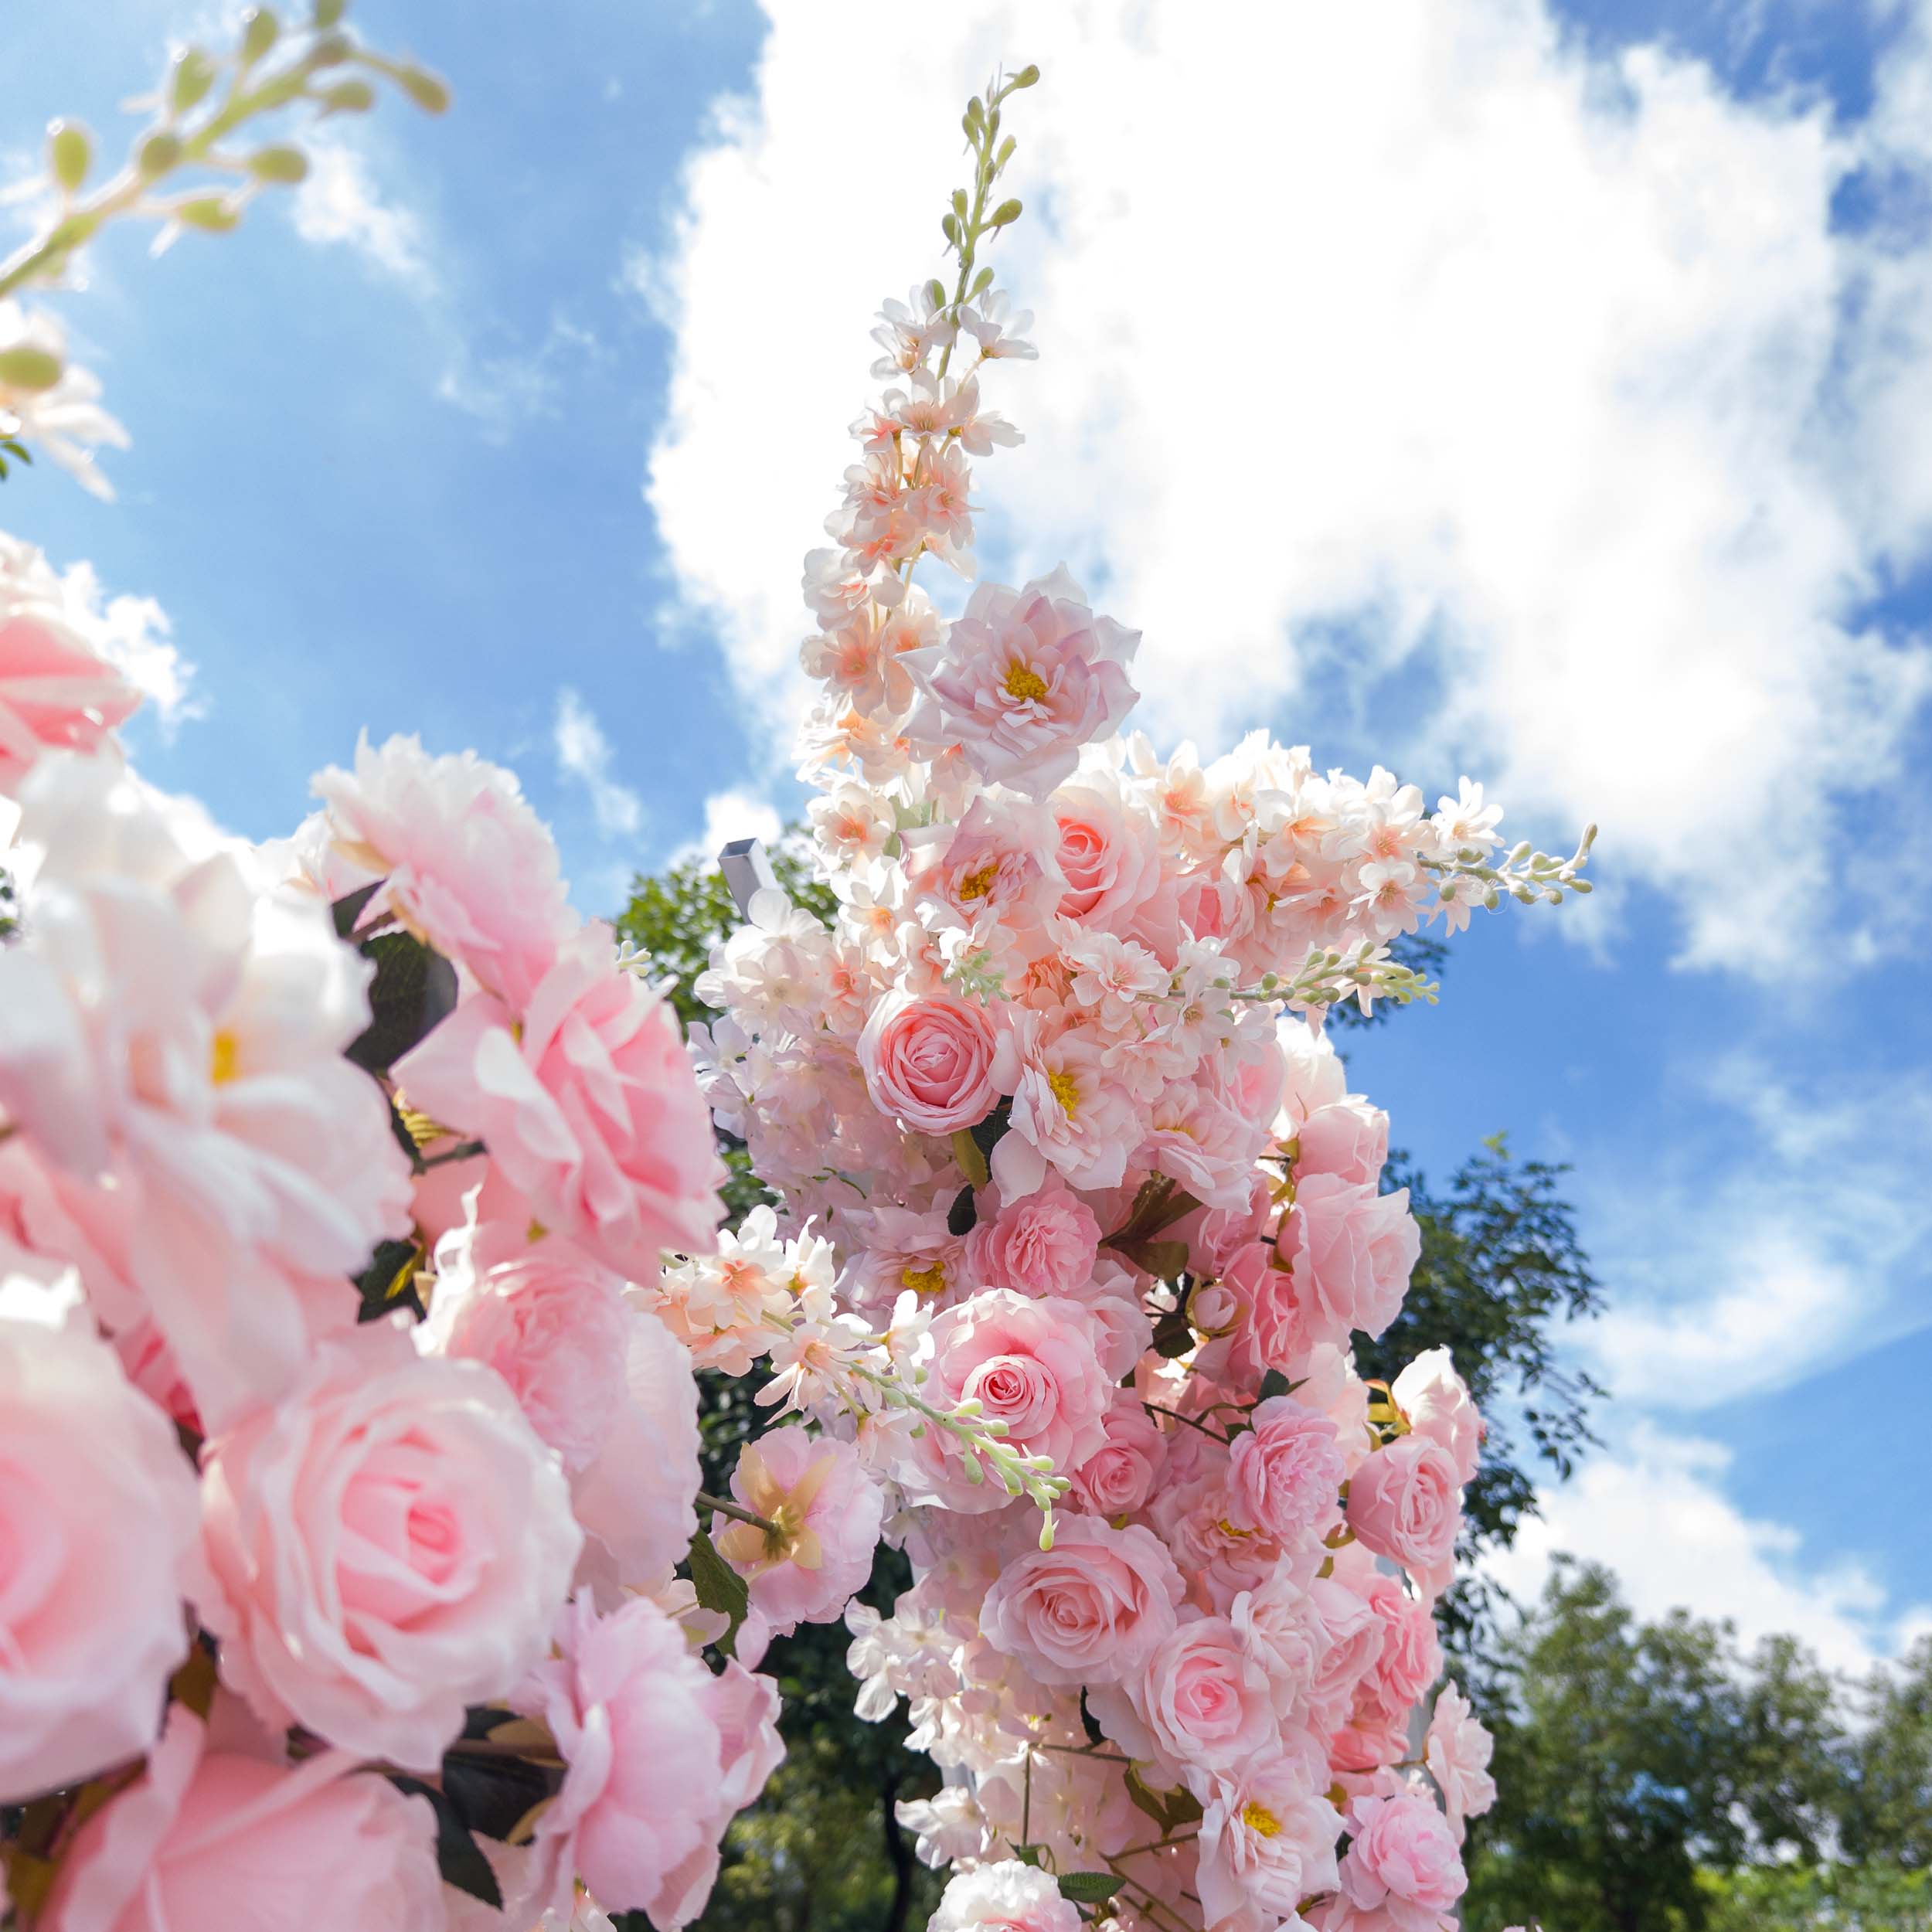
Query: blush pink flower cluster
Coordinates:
[1060,1144]
[337,1421]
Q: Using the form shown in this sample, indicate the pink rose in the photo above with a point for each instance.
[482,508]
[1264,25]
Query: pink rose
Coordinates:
[1408,1661]
[1207,1700]
[1119,1475]
[1032,1364]
[1089,1610]
[928,1062]
[97,1531]
[636,1718]
[1286,1472]
[55,693]
[228,1840]
[1006,1897]
[588,1105]
[471,869]
[1456,1751]
[1405,1502]
[827,1510]
[1109,855]
[1357,1250]
[1044,1244]
[1023,680]
[1402,1861]
[1436,1399]
[389,1545]
[1349,1639]
[1348,1138]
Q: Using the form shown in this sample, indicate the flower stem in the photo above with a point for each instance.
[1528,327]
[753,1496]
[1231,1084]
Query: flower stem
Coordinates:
[722,1506]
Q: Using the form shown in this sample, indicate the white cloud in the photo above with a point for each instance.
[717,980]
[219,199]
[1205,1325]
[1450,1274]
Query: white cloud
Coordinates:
[135,635]
[583,756]
[339,203]
[504,391]
[729,816]
[1369,336]
[1653,1511]
[1741,1276]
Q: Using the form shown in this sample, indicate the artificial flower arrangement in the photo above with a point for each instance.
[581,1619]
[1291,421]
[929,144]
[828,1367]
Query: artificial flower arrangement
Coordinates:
[359,1240]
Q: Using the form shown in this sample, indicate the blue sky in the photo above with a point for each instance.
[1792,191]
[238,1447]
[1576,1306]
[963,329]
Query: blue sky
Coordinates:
[1532,395]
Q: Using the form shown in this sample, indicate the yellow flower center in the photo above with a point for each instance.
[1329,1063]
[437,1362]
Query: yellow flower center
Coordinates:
[1023,681]
[977,885]
[224,1058]
[929,1280]
[1258,1818]
[1066,1091]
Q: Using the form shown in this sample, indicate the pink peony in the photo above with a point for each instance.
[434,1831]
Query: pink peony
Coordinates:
[471,869]
[928,1062]
[97,1528]
[1089,1610]
[1023,680]
[1045,1244]
[1405,1502]
[1402,1861]
[1072,1110]
[827,1511]
[1456,1752]
[1119,1475]
[649,1786]
[1005,1897]
[588,1104]
[228,1840]
[1436,1399]
[1286,1472]
[1032,1364]
[170,1035]
[390,1545]
[1357,1250]
[1268,1840]
[55,693]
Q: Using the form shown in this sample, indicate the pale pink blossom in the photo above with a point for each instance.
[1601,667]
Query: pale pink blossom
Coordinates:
[1456,1751]
[227,1841]
[469,868]
[1119,1476]
[1348,1138]
[1402,1861]
[1089,1610]
[98,1525]
[389,1545]
[1357,1249]
[1043,1244]
[825,1513]
[1005,1897]
[1206,1699]
[1070,1111]
[928,1062]
[1437,1402]
[1405,1502]
[1268,1840]
[588,1105]
[1285,1472]
[1109,854]
[56,694]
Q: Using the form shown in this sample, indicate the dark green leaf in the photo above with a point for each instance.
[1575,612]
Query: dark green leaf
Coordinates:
[1090,1888]
[493,1795]
[349,909]
[1173,1337]
[962,1216]
[1027,1854]
[1273,1384]
[376,1283]
[458,1856]
[414,988]
[720,1587]
[987,1134]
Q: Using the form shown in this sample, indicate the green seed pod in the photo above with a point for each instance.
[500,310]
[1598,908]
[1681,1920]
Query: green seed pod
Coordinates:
[156,155]
[349,97]
[283,166]
[68,152]
[194,74]
[1027,77]
[208,212]
[29,368]
[429,91]
[261,30]
[1008,211]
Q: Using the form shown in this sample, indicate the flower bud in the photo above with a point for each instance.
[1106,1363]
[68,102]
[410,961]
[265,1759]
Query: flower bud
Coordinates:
[194,74]
[208,212]
[1027,77]
[429,91]
[349,97]
[327,13]
[284,166]
[29,368]
[1008,211]
[156,154]
[68,152]
[261,30]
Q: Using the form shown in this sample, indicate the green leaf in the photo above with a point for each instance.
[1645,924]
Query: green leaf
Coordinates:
[1163,1260]
[347,910]
[1090,1888]
[962,1216]
[1273,1384]
[413,989]
[386,1285]
[495,1795]
[987,1134]
[458,1856]
[1173,1337]
[1027,1855]
[720,1587]
[972,1161]
[1145,1800]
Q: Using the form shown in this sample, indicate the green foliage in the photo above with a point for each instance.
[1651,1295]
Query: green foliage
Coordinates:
[1654,1778]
